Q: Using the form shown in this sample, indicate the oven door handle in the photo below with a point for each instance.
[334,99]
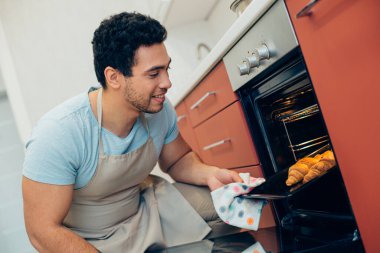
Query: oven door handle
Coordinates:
[215,144]
[203,98]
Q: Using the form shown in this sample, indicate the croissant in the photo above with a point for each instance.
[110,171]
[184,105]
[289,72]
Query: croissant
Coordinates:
[298,170]
[326,162]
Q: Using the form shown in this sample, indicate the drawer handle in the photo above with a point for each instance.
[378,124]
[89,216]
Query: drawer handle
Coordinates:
[205,96]
[181,117]
[306,11]
[218,143]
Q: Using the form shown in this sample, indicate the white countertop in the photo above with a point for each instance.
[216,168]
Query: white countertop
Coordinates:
[250,15]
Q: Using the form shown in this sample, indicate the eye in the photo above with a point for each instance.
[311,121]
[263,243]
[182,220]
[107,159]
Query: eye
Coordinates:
[153,74]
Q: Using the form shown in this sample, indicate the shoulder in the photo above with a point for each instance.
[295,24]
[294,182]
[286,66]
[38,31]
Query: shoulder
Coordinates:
[68,119]
[68,108]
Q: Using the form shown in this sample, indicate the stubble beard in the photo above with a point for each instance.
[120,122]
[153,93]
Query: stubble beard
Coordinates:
[137,100]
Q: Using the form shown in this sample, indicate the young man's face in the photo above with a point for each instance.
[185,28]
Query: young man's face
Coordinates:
[145,90]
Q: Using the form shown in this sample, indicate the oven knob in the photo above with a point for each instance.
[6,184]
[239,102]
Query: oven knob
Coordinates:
[243,68]
[262,52]
[253,61]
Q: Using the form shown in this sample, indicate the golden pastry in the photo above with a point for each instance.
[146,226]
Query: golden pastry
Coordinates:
[326,162]
[298,170]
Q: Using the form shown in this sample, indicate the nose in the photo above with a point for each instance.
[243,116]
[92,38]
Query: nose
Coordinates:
[165,82]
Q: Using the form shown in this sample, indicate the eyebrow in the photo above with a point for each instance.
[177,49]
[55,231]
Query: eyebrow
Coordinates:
[158,67]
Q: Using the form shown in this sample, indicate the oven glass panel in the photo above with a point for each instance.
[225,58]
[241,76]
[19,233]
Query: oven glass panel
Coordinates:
[292,123]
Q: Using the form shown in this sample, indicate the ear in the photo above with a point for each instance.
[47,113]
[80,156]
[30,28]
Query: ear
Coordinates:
[112,77]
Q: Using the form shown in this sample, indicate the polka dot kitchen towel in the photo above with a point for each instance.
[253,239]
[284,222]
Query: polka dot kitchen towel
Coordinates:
[236,210]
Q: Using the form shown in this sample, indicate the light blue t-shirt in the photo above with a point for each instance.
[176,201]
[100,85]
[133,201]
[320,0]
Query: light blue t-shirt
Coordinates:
[63,147]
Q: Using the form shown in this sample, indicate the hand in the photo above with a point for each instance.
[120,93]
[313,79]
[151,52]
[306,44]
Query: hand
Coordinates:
[221,177]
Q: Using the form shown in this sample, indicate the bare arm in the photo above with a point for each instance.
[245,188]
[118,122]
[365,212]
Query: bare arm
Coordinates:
[45,207]
[183,165]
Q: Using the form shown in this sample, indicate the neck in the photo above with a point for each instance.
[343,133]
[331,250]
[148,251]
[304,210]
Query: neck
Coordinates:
[117,117]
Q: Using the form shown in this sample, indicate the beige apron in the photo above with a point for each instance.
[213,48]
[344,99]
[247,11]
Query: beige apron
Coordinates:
[115,214]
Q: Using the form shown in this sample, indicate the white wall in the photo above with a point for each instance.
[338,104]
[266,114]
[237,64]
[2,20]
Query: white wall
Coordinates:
[49,46]
[10,79]
[182,45]
[46,56]
[183,40]
[221,18]
[2,86]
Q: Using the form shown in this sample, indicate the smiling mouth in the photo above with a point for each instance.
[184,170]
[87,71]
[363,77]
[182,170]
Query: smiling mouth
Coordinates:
[159,96]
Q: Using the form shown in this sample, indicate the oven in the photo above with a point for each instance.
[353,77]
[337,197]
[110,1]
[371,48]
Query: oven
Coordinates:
[267,70]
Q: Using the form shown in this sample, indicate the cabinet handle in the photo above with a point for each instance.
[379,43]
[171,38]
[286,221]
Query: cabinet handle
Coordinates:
[215,144]
[306,11]
[181,117]
[196,104]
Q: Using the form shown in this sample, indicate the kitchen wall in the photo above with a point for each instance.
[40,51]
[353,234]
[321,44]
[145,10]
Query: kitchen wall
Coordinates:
[221,18]
[48,43]
[46,57]
[183,41]
[2,87]
[182,46]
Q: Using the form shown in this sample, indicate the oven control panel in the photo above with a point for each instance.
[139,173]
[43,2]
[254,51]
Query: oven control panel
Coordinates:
[253,61]
[269,39]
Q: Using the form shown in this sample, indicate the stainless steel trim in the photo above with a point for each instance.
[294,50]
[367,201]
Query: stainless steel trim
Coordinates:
[274,29]
[196,104]
[265,196]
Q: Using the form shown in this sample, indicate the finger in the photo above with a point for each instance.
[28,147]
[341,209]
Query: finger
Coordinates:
[236,177]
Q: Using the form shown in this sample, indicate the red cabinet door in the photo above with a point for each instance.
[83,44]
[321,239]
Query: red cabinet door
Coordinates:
[212,95]
[224,139]
[340,41]
[184,126]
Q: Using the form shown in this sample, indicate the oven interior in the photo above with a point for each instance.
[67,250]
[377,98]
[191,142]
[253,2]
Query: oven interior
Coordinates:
[287,124]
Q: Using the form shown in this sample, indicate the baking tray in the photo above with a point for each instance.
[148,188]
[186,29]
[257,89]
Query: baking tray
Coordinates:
[275,188]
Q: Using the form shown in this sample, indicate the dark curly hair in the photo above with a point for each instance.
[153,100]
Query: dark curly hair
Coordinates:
[117,38]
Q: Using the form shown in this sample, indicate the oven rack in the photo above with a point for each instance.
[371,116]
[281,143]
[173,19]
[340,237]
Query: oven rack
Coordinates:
[301,114]
[309,143]
[295,116]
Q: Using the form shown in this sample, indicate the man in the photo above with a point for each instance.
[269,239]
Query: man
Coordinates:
[86,186]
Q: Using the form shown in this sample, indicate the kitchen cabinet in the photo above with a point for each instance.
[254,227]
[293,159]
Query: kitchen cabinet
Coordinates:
[340,43]
[184,126]
[213,94]
[211,119]
[224,139]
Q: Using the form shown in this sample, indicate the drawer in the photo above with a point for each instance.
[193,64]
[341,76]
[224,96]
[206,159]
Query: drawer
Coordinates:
[267,218]
[224,139]
[212,95]
[185,128]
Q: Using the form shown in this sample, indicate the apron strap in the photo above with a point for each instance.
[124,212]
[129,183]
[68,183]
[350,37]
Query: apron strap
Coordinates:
[100,115]
[145,123]
[99,110]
